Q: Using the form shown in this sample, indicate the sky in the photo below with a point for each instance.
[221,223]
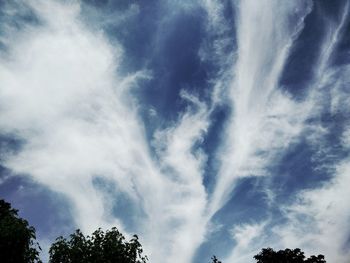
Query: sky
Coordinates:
[204,126]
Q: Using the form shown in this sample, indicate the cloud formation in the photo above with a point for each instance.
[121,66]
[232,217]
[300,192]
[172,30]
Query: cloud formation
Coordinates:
[264,119]
[77,112]
[63,96]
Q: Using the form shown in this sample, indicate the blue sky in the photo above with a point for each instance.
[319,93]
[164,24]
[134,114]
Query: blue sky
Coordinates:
[206,127]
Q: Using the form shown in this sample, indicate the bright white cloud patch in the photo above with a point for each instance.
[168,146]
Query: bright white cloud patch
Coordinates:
[264,120]
[59,95]
[319,216]
[62,95]
[249,239]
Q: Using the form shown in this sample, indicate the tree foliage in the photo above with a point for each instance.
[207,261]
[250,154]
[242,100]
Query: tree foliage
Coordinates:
[215,260]
[100,247]
[18,245]
[17,238]
[268,255]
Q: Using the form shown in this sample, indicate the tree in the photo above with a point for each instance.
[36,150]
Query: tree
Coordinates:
[268,255]
[215,260]
[17,238]
[101,247]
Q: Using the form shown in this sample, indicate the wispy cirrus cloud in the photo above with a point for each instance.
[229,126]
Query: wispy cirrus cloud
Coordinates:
[63,96]
[267,121]
[318,216]
[264,119]
[57,95]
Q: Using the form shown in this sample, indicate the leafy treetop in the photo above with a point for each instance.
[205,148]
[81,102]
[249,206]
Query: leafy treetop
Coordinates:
[17,238]
[268,255]
[18,245]
[100,247]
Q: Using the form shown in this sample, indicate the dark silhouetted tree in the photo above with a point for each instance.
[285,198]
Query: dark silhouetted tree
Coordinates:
[316,259]
[17,238]
[101,247]
[268,255]
[215,260]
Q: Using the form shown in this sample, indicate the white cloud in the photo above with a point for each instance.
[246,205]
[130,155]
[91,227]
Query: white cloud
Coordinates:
[249,239]
[183,165]
[264,119]
[57,94]
[318,221]
[62,94]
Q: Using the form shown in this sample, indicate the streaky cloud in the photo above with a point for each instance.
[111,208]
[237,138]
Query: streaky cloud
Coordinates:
[72,100]
[263,116]
[62,94]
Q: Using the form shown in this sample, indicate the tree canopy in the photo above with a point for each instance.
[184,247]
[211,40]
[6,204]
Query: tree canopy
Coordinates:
[215,260]
[17,238]
[100,247]
[18,245]
[268,255]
